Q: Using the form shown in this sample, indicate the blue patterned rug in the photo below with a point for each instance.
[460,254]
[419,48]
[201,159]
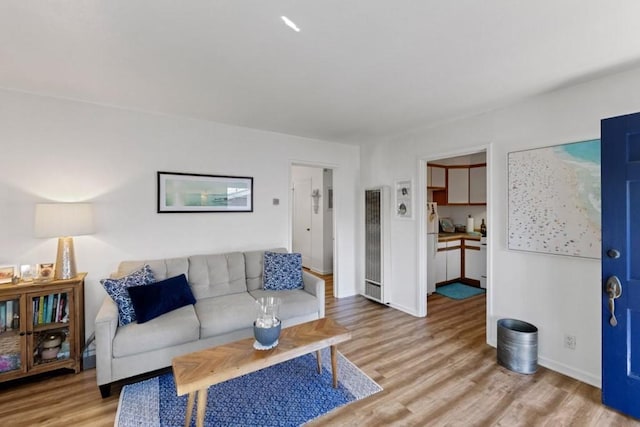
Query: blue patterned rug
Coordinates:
[288,394]
[459,290]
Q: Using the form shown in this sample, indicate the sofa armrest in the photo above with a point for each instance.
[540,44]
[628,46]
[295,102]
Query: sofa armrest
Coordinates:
[315,286]
[106,324]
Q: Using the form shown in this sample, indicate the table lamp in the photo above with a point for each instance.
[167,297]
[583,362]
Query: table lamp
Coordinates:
[64,220]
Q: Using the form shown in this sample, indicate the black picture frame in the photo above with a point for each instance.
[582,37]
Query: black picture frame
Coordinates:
[180,192]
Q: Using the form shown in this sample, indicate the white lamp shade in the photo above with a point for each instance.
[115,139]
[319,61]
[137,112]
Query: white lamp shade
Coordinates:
[63,219]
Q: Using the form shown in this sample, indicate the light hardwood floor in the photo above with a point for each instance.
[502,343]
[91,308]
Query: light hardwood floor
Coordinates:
[435,371]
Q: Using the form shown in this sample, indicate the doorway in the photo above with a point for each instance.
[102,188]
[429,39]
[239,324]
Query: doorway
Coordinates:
[312,230]
[460,185]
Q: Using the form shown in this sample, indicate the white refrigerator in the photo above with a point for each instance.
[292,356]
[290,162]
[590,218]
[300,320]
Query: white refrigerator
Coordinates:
[432,245]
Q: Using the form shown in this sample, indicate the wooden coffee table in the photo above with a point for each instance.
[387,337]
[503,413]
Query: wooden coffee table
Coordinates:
[195,372]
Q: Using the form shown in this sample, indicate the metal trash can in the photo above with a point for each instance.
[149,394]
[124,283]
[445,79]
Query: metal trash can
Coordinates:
[518,346]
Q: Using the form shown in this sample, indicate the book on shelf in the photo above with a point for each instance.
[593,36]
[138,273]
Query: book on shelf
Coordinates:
[9,315]
[62,305]
[48,309]
[41,310]
[3,316]
[35,303]
[54,308]
[64,309]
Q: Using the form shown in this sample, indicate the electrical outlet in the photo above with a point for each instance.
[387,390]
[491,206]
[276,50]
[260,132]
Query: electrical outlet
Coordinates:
[570,341]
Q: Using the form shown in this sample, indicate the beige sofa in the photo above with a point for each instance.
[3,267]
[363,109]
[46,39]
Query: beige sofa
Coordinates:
[225,287]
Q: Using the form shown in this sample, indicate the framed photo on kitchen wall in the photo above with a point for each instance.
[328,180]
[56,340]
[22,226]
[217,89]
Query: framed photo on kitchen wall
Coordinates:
[554,200]
[404,199]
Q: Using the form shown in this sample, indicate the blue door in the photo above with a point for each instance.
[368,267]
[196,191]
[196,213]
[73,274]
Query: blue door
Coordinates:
[621,263]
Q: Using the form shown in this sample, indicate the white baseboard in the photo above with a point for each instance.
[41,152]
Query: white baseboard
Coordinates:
[569,371]
[323,272]
[408,310]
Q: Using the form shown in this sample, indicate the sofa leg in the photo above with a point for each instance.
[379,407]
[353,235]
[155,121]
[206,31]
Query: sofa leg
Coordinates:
[105,390]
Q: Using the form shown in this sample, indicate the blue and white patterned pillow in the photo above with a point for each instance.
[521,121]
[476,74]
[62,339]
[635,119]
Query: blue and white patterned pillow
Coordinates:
[117,290]
[282,271]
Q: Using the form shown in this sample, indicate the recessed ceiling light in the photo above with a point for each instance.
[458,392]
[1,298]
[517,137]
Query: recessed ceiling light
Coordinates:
[290,24]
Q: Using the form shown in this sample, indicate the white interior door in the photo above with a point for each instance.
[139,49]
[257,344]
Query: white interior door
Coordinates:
[302,219]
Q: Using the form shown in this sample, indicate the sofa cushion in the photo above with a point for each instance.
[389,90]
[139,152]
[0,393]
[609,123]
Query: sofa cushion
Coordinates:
[156,299]
[254,266]
[217,275]
[282,271]
[161,268]
[118,291]
[294,303]
[174,328]
[225,314]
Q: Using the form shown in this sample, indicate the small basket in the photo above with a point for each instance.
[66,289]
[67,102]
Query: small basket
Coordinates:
[9,343]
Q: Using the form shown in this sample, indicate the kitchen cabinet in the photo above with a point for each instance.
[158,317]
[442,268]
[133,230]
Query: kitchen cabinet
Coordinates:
[458,186]
[448,261]
[436,177]
[478,185]
[453,264]
[472,260]
[441,266]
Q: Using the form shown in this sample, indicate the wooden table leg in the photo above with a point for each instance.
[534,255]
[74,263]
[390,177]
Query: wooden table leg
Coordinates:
[334,365]
[319,360]
[190,402]
[202,406]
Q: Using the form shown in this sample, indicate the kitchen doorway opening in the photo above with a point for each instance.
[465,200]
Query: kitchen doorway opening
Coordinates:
[456,195]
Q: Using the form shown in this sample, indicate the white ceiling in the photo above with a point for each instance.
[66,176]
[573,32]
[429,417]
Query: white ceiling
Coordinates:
[358,70]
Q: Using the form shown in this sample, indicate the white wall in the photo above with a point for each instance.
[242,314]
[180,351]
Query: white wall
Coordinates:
[69,151]
[560,295]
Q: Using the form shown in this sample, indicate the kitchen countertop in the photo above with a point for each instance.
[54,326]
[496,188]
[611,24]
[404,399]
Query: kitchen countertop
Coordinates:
[446,237]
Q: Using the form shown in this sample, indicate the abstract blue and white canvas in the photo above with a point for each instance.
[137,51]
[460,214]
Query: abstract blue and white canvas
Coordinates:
[555,200]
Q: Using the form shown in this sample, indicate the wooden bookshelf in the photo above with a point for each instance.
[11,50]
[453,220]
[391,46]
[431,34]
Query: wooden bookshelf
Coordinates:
[41,327]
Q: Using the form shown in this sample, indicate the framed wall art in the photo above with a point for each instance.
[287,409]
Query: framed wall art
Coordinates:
[404,199]
[555,200]
[186,192]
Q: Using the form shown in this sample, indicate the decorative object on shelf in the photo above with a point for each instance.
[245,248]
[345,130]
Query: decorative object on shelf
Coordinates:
[315,196]
[64,220]
[404,196]
[28,272]
[554,200]
[266,328]
[185,192]
[45,272]
[7,273]
[51,345]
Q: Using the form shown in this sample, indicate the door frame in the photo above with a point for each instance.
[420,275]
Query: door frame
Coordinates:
[336,206]
[422,218]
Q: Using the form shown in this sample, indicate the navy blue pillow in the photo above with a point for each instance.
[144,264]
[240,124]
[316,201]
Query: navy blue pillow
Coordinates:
[156,299]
